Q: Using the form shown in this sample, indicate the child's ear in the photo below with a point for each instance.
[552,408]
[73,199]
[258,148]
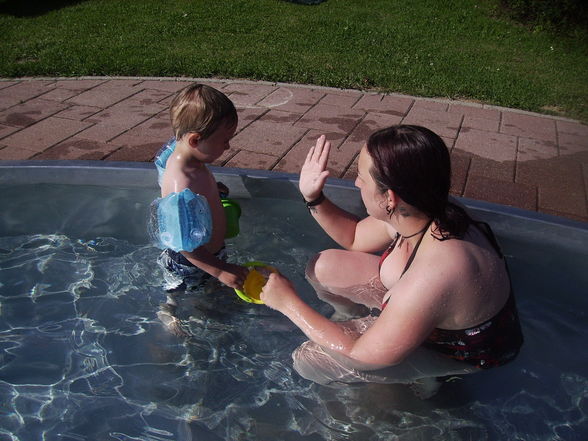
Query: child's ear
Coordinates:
[194,139]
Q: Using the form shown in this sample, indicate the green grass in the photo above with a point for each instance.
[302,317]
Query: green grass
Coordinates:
[456,49]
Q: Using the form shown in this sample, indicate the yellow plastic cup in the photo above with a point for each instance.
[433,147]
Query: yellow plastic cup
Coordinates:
[254,283]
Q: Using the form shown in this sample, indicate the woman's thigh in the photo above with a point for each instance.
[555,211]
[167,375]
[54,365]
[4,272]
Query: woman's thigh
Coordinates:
[350,274]
[314,363]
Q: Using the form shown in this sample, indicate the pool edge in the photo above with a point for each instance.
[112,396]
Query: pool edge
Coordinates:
[85,172]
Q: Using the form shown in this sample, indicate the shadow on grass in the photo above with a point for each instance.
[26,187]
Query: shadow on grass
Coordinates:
[20,8]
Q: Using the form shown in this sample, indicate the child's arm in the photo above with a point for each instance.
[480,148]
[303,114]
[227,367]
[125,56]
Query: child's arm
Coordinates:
[229,274]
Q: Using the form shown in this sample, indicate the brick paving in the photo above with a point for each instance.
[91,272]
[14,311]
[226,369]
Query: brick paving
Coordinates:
[500,155]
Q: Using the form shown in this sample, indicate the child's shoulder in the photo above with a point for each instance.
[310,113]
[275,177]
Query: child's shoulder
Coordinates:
[201,181]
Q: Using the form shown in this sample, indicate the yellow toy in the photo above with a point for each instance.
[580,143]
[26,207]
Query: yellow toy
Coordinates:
[255,282]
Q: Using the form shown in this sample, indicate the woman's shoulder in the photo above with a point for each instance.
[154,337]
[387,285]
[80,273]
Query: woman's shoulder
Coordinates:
[453,257]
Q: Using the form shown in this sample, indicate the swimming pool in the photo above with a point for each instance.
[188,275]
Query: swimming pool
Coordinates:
[84,357]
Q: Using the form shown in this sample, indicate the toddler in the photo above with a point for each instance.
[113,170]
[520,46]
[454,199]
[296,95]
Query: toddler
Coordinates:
[203,120]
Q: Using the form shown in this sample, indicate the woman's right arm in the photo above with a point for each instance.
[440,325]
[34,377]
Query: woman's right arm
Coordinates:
[347,230]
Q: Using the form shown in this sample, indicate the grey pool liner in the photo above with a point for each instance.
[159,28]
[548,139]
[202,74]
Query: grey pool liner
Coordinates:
[246,183]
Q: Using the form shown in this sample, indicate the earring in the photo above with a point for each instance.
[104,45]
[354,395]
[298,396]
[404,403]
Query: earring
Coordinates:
[390,211]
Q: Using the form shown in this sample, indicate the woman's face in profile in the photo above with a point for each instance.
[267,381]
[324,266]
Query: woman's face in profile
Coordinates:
[374,201]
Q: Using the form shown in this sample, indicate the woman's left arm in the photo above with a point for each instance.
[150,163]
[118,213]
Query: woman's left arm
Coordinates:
[412,313]
[279,294]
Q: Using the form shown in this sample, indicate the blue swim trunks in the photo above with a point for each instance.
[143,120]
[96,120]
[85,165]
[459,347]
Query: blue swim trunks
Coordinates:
[179,273]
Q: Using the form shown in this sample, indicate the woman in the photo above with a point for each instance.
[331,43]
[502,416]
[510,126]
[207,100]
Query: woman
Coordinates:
[441,286]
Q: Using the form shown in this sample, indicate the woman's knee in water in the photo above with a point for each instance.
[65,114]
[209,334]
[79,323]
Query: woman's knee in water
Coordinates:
[320,267]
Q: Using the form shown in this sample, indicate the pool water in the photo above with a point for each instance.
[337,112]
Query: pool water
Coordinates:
[83,355]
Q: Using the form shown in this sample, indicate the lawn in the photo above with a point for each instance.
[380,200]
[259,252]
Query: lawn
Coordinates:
[459,49]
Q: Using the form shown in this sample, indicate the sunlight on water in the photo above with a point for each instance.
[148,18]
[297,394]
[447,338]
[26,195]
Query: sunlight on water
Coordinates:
[84,356]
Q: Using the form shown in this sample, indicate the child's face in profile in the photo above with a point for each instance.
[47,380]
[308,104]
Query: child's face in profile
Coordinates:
[212,148]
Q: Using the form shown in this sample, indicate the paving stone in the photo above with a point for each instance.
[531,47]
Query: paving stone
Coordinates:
[460,165]
[124,116]
[105,94]
[555,173]
[348,99]
[436,106]
[279,117]
[153,130]
[495,146]
[44,134]
[142,152]
[4,84]
[12,153]
[572,143]
[252,160]
[248,115]
[127,113]
[228,155]
[568,199]
[475,112]
[500,192]
[268,138]
[149,97]
[442,123]
[532,149]
[23,91]
[167,102]
[390,104]
[585,174]
[6,130]
[342,158]
[449,142]
[244,95]
[331,118]
[371,123]
[217,84]
[79,113]
[295,100]
[293,160]
[572,127]
[547,157]
[80,85]
[103,131]
[30,112]
[168,86]
[351,173]
[59,94]
[528,126]
[488,125]
[78,148]
[496,170]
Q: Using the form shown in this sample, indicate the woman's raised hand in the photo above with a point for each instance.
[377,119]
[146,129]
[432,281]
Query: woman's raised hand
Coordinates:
[314,170]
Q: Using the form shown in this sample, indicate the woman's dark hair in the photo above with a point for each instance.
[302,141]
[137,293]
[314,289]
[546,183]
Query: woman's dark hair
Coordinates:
[414,162]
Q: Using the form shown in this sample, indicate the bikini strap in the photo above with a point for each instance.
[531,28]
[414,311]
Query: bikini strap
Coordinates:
[389,250]
[414,251]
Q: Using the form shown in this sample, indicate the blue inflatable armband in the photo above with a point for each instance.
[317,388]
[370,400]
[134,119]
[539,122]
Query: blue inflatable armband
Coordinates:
[180,221]
[162,156]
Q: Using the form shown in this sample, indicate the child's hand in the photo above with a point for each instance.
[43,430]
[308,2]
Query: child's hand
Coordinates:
[233,275]
[277,291]
[314,173]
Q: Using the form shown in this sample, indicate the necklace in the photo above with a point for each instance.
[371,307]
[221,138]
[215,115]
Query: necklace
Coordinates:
[418,232]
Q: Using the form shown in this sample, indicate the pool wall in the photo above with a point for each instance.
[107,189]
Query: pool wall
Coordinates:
[245,183]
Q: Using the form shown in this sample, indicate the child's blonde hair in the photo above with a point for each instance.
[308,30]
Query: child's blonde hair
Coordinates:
[201,108]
